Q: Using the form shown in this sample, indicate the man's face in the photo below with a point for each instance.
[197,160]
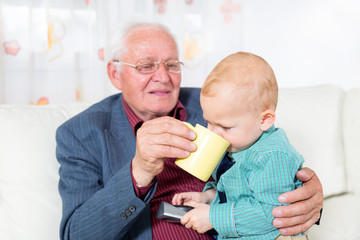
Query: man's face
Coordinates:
[155,94]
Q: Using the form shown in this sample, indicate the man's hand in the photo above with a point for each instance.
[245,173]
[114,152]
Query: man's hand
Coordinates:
[197,218]
[307,201]
[158,139]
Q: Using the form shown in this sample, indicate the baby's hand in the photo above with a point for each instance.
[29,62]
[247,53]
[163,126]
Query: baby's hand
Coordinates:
[198,218]
[200,197]
[181,198]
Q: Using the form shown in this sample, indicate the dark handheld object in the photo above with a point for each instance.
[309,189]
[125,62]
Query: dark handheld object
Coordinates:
[170,212]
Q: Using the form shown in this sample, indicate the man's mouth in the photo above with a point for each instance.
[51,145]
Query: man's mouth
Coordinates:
[160,93]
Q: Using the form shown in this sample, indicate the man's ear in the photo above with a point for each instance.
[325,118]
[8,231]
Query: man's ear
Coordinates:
[113,74]
[267,119]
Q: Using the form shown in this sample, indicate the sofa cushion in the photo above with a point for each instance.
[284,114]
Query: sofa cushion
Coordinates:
[30,204]
[339,220]
[312,119]
[352,138]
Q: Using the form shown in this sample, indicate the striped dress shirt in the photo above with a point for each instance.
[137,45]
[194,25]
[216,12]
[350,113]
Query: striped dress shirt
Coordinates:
[252,187]
[170,181]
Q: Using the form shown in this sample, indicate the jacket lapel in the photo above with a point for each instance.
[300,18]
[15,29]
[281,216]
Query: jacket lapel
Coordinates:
[120,139]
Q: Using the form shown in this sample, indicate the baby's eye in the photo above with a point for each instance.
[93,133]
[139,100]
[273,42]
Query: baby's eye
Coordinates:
[226,128]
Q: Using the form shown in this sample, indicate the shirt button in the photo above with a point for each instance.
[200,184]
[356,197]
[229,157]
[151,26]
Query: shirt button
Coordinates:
[128,212]
[132,208]
[123,216]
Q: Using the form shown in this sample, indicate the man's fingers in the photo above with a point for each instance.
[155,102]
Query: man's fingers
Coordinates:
[293,221]
[171,151]
[296,209]
[305,174]
[156,149]
[311,188]
[297,229]
[156,140]
[302,193]
[168,125]
[306,204]
[172,140]
[171,135]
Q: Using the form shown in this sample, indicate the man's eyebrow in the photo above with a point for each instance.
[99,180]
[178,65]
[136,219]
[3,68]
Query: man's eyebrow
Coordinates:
[151,58]
[146,59]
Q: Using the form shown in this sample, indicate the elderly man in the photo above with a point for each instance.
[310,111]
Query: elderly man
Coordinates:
[117,157]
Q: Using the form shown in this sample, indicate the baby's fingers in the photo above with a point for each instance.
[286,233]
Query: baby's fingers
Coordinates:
[177,199]
[185,220]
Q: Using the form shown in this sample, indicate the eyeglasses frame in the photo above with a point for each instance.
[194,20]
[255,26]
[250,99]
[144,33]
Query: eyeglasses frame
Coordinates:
[156,64]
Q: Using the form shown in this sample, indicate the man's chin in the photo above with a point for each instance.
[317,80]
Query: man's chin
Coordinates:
[162,111]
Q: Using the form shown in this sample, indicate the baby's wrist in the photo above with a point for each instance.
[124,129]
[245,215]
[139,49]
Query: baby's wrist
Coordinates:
[210,195]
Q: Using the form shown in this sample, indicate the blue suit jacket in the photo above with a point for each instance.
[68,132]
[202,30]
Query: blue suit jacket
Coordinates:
[95,149]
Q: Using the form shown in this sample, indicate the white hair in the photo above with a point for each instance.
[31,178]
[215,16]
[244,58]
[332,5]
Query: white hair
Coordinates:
[116,47]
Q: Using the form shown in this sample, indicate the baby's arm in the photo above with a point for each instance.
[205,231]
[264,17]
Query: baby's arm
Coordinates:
[200,197]
[272,178]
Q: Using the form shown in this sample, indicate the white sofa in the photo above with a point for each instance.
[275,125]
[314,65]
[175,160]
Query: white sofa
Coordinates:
[323,123]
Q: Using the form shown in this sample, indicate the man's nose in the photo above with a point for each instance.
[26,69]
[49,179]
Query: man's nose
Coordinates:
[161,74]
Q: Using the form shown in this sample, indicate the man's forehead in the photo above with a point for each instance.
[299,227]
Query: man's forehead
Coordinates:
[142,34]
[152,47]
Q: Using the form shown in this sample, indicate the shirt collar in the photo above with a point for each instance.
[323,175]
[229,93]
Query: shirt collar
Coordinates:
[179,113]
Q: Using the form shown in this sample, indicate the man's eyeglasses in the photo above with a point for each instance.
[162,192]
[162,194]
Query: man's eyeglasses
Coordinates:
[172,66]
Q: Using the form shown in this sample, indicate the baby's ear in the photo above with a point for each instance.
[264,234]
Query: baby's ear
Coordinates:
[267,119]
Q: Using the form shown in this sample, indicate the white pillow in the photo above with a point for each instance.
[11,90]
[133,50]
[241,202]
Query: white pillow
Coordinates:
[30,205]
[312,120]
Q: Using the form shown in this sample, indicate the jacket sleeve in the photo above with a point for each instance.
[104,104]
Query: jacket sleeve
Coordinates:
[93,209]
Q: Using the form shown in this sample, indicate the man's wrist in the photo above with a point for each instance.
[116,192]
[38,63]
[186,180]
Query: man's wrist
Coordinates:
[140,191]
[141,178]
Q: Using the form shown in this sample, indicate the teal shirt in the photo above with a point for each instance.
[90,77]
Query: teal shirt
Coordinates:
[252,185]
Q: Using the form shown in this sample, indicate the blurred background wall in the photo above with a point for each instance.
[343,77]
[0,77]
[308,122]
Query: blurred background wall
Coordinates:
[52,51]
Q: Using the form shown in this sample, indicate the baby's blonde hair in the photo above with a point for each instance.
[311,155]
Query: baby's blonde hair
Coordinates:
[248,76]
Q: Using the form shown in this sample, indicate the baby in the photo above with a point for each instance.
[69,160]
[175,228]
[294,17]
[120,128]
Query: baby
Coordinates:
[239,100]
